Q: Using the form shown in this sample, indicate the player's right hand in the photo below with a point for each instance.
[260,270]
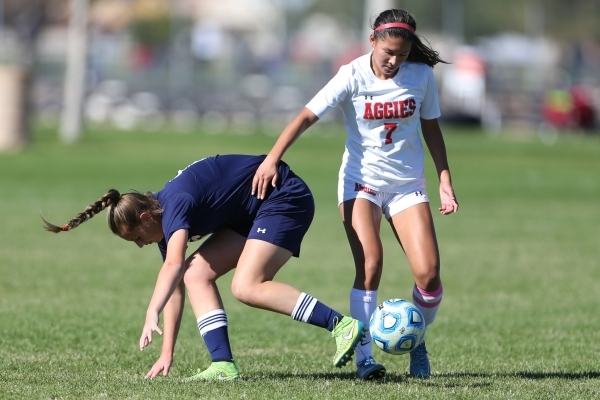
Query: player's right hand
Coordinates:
[163,364]
[448,199]
[265,175]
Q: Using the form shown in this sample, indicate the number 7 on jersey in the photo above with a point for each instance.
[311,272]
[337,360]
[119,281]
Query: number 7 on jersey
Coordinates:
[390,128]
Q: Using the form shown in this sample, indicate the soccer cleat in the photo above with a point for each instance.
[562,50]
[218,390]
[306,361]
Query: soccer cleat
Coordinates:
[419,363]
[347,333]
[218,371]
[369,370]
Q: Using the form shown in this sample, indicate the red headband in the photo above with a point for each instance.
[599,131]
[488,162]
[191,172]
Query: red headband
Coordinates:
[396,25]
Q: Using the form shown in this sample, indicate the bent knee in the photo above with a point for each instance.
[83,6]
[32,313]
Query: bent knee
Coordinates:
[428,280]
[373,266]
[243,292]
[200,269]
[196,273]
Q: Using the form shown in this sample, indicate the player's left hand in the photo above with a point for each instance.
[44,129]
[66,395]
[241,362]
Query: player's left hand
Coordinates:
[448,199]
[162,364]
[150,326]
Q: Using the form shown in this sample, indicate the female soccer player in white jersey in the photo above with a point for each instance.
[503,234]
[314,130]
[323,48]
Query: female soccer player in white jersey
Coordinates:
[255,236]
[385,96]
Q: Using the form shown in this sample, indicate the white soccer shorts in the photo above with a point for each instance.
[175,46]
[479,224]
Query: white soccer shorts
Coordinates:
[390,203]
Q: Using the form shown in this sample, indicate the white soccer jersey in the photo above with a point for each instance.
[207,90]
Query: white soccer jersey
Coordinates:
[383,148]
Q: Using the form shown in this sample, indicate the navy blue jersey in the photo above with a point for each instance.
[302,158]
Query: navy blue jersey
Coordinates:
[211,194]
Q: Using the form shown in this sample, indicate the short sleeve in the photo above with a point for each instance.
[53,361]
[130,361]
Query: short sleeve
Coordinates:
[176,210]
[335,91]
[430,107]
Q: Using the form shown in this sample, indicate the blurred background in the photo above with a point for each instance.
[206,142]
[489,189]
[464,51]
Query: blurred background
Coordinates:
[246,66]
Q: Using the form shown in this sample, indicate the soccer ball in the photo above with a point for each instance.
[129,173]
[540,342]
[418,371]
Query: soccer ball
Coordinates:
[397,326]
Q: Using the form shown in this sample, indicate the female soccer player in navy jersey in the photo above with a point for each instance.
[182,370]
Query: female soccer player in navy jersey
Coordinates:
[254,236]
[385,96]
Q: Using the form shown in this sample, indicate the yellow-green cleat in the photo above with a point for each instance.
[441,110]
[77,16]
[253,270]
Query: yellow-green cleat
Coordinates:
[347,333]
[218,371]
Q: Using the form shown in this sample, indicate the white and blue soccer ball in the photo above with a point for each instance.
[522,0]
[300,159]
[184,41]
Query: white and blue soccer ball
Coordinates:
[397,326]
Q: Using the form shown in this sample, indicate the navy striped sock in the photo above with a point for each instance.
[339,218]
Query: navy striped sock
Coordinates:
[213,328]
[325,317]
[310,310]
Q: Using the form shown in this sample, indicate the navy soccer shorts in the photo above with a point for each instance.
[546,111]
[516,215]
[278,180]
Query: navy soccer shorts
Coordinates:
[284,217]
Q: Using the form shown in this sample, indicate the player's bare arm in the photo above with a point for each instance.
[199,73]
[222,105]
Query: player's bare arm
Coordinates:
[171,322]
[169,277]
[267,172]
[432,134]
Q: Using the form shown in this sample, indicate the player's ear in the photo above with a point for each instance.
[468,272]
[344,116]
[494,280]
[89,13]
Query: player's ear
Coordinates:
[372,40]
[146,217]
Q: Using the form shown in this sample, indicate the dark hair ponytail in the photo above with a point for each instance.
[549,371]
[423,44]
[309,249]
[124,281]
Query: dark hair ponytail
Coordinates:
[420,52]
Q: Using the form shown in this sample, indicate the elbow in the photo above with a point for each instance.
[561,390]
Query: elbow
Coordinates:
[175,268]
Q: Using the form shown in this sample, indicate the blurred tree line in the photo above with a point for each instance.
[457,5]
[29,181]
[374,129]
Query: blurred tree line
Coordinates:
[567,21]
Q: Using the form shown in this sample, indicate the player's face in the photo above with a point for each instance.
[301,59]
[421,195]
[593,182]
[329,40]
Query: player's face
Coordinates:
[388,54]
[148,231]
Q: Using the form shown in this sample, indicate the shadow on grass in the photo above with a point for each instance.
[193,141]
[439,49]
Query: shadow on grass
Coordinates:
[390,379]
[344,376]
[435,380]
[525,375]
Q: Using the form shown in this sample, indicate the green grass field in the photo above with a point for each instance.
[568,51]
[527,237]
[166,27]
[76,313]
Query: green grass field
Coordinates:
[519,265]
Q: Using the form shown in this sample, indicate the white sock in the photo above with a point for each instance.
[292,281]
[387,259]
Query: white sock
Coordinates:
[362,305]
[428,302]
[211,320]
[304,307]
